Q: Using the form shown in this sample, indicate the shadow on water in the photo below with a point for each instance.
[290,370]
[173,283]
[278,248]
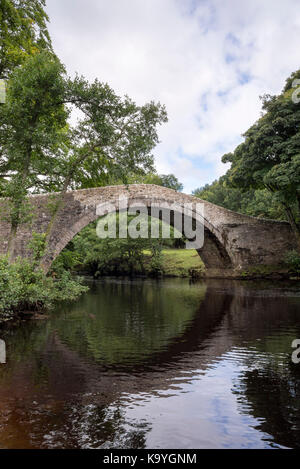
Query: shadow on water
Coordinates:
[133,356]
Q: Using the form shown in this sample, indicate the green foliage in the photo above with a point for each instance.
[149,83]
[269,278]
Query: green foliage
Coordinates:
[41,151]
[262,204]
[171,181]
[181,263]
[32,123]
[165,180]
[111,256]
[257,203]
[37,247]
[260,271]
[23,287]
[67,260]
[118,255]
[269,158]
[127,256]
[53,204]
[114,136]
[220,194]
[23,32]
[156,263]
[292,260]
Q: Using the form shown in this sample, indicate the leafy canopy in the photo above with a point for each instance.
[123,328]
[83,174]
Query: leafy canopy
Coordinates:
[269,158]
[42,149]
[23,32]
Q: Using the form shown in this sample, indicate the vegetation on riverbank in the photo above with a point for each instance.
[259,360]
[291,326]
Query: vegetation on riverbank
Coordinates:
[169,263]
[128,256]
[24,287]
[43,150]
[293,263]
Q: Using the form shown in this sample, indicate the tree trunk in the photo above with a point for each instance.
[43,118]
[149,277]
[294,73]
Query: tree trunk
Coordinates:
[11,240]
[294,225]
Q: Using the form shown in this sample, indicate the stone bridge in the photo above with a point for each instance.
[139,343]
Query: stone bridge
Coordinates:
[232,242]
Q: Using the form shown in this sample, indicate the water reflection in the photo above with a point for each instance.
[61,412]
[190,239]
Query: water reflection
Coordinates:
[272,395]
[149,363]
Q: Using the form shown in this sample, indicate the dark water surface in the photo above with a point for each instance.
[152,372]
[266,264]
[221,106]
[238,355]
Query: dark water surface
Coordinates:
[156,364]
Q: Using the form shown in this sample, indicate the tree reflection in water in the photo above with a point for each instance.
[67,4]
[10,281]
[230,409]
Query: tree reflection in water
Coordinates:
[272,395]
[71,380]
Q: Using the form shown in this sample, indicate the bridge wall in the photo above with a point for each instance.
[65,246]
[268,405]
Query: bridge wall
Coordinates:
[232,241]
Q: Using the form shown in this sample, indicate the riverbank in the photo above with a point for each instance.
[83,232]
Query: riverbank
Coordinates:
[30,296]
[186,263]
[179,263]
[25,289]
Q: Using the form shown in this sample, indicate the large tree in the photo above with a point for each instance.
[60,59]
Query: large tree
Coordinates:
[32,130]
[23,32]
[165,180]
[269,158]
[254,202]
[41,150]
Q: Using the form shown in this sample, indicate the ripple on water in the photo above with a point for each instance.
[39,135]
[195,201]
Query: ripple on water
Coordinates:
[161,364]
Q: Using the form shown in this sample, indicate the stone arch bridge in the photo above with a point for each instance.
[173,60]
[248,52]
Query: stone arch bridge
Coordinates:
[232,242]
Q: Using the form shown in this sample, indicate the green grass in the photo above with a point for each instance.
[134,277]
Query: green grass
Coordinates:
[182,263]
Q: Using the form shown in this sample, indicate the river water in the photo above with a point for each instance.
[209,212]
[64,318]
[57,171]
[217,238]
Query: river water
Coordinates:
[156,364]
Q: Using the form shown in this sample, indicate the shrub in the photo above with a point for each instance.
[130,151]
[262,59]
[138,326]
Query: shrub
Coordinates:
[292,260]
[24,287]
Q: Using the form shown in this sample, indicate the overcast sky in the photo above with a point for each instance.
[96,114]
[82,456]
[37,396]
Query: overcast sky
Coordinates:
[208,61]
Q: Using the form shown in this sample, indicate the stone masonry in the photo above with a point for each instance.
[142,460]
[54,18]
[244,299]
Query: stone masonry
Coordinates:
[232,241]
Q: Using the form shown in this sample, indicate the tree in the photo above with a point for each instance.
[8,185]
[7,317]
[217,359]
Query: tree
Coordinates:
[220,194]
[32,131]
[165,180]
[106,256]
[41,151]
[114,136]
[256,203]
[23,32]
[269,158]
[171,181]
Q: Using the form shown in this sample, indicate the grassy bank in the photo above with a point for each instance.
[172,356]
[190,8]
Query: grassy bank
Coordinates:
[179,263]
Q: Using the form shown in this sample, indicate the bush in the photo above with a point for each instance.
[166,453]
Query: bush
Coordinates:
[24,287]
[292,260]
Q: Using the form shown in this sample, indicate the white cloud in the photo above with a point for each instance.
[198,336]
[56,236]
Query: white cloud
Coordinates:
[208,61]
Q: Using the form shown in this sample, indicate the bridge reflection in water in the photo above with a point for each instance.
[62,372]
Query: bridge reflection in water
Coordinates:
[146,363]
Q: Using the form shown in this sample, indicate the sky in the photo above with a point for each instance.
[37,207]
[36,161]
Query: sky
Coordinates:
[208,61]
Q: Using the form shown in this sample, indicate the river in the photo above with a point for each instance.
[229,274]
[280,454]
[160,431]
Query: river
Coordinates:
[150,363]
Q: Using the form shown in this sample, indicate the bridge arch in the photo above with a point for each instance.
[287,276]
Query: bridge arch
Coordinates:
[232,241]
[213,253]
